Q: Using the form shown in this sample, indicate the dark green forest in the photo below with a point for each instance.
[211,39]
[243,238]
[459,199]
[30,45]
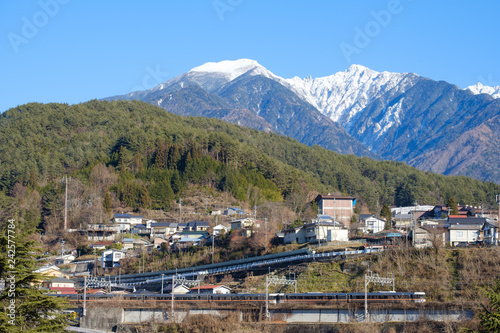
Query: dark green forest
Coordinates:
[144,157]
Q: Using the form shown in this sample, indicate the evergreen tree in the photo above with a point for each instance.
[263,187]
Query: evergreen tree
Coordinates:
[144,199]
[107,202]
[24,307]
[489,315]
[452,206]
[387,214]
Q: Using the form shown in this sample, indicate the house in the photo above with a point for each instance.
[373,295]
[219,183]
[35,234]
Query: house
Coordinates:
[125,222]
[163,229]
[127,218]
[178,289]
[128,243]
[403,221]
[465,230]
[199,225]
[65,259]
[244,223]
[60,285]
[102,232]
[464,233]
[321,229]
[141,230]
[191,238]
[141,243]
[50,271]
[97,291]
[234,211]
[211,289]
[158,241]
[370,223]
[490,232]
[111,258]
[341,208]
[100,245]
[220,229]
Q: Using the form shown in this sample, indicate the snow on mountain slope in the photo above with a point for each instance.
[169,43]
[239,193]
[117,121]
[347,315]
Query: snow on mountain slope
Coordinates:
[479,88]
[343,95]
[231,69]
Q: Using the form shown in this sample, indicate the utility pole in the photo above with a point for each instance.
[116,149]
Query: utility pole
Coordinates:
[375,278]
[183,281]
[84,296]
[66,181]
[180,210]
[276,281]
[265,222]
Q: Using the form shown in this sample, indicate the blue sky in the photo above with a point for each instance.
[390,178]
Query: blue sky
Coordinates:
[71,51]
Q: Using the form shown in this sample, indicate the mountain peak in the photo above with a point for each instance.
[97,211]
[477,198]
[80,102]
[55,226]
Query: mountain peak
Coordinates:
[231,68]
[359,68]
[480,88]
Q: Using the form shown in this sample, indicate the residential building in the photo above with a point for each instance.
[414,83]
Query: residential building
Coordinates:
[247,225]
[100,245]
[163,229]
[128,243]
[370,223]
[340,208]
[465,230]
[490,232]
[178,289]
[65,259]
[111,258]
[321,229]
[126,221]
[50,271]
[211,289]
[403,221]
[218,229]
[234,211]
[60,285]
[101,232]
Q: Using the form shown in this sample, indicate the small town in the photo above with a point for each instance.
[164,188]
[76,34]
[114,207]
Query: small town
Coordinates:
[114,262]
[250,166]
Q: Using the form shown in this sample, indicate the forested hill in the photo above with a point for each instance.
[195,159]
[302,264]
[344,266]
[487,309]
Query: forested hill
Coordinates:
[154,154]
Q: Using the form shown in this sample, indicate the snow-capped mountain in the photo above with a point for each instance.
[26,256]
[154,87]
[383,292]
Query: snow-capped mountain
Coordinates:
[479,88]
[432,125]
[343,95]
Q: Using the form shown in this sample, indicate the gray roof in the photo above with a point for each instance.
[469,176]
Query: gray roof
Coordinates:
[467,220]
[62,280]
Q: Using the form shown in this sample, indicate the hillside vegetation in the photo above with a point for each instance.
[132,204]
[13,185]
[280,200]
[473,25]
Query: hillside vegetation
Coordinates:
[131,155]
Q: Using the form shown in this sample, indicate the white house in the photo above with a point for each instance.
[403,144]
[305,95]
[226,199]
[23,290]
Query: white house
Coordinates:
[490,233]
[464,233]
[112,257]
[126,221]
[219,229]
[65,259]
[210,289]
[322,229]
[178,289]
[371,224]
